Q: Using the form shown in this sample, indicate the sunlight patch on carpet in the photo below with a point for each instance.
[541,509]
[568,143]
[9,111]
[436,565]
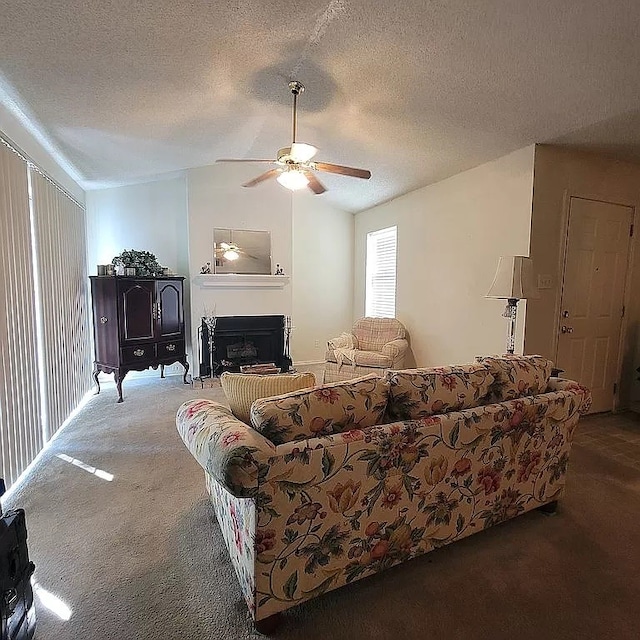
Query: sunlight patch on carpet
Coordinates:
[87,467]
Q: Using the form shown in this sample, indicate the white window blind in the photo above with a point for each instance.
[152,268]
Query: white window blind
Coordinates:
[380,297]
[21,434]
[59,226]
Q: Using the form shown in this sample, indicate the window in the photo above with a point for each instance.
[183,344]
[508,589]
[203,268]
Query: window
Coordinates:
[380,300]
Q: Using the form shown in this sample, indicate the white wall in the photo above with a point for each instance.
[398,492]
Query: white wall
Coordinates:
[322,275]
[559,174]
[216,199]
[146,217]
[450,236]
[175,218]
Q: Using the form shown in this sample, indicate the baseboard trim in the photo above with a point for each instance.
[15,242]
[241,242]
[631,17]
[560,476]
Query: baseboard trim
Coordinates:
[306,363]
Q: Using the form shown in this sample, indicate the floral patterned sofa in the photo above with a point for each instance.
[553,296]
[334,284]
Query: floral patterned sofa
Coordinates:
[336,483]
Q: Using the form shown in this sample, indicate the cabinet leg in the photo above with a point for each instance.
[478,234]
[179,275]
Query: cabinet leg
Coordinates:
[185,364]
[162,371]
[119,376]
[96,372]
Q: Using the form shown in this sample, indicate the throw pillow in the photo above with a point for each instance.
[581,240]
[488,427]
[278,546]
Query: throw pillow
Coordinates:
[242,389]
[419,393]
[517,376]
[325,410]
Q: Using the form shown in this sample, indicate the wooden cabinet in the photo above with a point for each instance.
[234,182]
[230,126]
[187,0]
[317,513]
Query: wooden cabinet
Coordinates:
[137,323]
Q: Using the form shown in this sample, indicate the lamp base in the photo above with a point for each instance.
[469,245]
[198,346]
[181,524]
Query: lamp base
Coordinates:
[511,313]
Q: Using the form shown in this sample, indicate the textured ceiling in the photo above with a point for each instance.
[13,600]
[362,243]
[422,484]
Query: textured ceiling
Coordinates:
[415,90]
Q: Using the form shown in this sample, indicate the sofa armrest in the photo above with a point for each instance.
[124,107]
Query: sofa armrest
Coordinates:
[343,341]
[230,451]
[396,350]
[561,384]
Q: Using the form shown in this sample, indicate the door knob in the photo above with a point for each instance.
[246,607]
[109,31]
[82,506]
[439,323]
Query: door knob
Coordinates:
[565,329]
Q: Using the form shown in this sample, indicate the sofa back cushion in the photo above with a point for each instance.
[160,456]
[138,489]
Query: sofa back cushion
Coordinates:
[325,410]
[517,376]
[242,389]
[419,393]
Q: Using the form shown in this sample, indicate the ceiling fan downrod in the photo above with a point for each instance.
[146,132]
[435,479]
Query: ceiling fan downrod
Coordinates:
[296,89]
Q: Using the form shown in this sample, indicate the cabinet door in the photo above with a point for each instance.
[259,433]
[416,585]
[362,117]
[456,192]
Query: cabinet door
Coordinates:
[137,321]
[170,321]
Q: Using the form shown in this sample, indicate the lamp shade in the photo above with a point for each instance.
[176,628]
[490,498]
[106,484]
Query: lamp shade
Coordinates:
[513,279]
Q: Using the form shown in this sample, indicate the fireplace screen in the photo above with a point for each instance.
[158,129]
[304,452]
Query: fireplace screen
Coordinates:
[238,341]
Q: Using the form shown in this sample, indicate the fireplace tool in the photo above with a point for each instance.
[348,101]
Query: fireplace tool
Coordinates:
[287,362]
[210,323]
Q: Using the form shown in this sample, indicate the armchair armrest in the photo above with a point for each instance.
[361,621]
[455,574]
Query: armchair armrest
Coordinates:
[230,451]
[395,350]
[343,341]
[560,384]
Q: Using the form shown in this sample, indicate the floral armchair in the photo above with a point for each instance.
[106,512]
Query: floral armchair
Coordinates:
[327,488]
[374,345]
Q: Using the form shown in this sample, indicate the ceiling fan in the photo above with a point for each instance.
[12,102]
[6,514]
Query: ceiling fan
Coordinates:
[230,250]
[294,165]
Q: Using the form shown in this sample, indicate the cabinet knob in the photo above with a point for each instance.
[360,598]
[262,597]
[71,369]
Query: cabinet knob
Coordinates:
[104,320]
[171,347]
[138,352]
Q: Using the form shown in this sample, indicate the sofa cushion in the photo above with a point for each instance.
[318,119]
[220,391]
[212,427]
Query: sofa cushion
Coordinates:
[242,389]
[362,358]
[419,393]
[517,376]
[325,410]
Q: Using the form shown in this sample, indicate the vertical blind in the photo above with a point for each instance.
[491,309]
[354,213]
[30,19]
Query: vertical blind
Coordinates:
[380,297]
[44,319]
[61,258]
[21,430]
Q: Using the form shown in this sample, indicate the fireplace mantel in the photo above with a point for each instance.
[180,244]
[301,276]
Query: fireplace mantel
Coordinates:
[240,281]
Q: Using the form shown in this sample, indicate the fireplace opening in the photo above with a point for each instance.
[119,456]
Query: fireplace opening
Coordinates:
[243,352]
[239,341]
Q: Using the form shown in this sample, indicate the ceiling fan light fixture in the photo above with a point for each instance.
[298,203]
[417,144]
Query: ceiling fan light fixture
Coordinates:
[302,152]
[293,179]
[231,254]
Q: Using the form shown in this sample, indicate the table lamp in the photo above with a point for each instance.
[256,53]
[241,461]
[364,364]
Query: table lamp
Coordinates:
[513,281]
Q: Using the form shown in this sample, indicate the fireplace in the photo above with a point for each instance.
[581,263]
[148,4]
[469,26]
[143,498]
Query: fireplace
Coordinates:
[245,340]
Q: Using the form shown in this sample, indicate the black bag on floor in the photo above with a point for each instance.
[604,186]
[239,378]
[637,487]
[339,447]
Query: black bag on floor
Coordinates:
[17,611]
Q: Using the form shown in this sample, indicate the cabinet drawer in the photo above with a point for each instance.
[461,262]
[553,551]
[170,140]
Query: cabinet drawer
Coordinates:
[170,349]
[140,353]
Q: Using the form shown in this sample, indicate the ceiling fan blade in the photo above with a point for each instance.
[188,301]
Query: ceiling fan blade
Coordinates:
[237,160]
[314,184]
[272,173]
[342,170]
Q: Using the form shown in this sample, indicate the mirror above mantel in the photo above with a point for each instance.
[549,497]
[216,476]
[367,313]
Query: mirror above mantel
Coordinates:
[241,252]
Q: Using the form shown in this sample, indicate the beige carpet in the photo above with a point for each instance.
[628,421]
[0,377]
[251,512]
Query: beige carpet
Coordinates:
[141,557]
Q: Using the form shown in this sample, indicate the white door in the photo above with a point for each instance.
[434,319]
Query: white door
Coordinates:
[592,308]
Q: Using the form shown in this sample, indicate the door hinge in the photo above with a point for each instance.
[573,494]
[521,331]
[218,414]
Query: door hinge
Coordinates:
[631,231]
[615,388]
[623,311]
